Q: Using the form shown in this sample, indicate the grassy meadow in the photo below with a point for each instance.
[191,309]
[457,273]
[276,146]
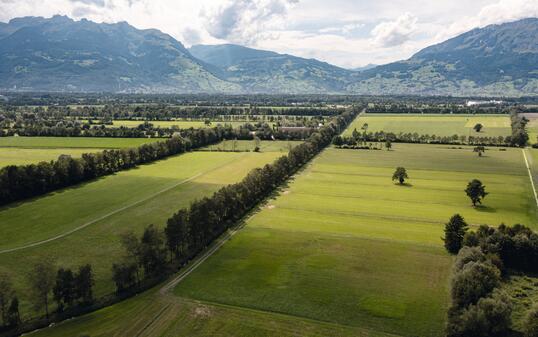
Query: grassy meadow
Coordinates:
[73,142]
[250,145]
[24,156]
[346,245]
[86,220]
[439,125]
[340,251]
[32,150]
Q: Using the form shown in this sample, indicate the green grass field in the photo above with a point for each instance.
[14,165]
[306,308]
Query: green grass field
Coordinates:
[249,145]
[344,244]
[341,251]
[23,156]
[73,142]
[152,314]
[439,125]
[86,220]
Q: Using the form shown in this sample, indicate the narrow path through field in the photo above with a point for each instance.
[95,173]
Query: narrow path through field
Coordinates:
[121,209]
[530,175]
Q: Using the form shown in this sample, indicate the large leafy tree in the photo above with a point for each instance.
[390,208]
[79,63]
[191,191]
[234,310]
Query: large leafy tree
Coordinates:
[476,191]
[455,230]
[400,174]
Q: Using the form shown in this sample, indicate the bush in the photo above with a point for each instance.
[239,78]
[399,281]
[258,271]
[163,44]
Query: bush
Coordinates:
[490,317]
[474,281]
[466,255]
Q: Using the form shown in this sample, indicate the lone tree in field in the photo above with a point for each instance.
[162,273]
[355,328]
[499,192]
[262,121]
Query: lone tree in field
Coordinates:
[478,127]
[455,230]
[476,191]
[388,145]
[479,150]
[400,174]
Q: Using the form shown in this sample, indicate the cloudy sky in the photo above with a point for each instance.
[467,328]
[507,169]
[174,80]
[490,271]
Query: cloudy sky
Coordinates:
[348,33]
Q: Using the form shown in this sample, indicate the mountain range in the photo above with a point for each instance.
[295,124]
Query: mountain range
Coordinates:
[60,54]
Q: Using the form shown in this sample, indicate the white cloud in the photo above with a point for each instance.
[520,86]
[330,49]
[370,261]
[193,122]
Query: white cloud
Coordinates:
[397,32]
[348,33]
[247,21]
[494,13]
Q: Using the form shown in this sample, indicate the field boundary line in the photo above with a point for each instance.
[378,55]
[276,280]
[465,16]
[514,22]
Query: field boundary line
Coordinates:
[60,236]
[199,260]
[530,175]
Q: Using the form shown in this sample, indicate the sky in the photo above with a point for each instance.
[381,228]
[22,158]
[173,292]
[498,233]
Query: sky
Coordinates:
[347,33]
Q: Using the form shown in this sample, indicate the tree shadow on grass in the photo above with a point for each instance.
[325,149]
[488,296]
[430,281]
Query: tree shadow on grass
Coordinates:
[404,184]
[485,209]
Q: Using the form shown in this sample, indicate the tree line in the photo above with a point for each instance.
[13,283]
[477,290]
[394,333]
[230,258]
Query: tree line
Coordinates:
[359,139]
[479,306]
[438,109]
[74,128]
[69,289]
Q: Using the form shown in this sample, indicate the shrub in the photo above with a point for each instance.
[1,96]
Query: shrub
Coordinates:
[474,281]
[466,255]
[490,317]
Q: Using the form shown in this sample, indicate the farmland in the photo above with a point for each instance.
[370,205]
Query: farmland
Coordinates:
[439,125]
[250,145]
[342,251]
[331,248]
[353,248]
[22,156]
[86,220]
[73,142]
[31,150]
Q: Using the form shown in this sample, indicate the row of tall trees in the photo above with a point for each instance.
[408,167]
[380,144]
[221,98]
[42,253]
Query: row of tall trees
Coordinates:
[410,108]
[192,229]
[73,128]
[24,181]
[69,289]
[357,138]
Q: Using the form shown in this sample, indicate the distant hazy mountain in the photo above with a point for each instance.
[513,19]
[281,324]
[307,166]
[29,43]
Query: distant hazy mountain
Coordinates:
[366,67]
[270,72]
[59,54]
[495,60]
